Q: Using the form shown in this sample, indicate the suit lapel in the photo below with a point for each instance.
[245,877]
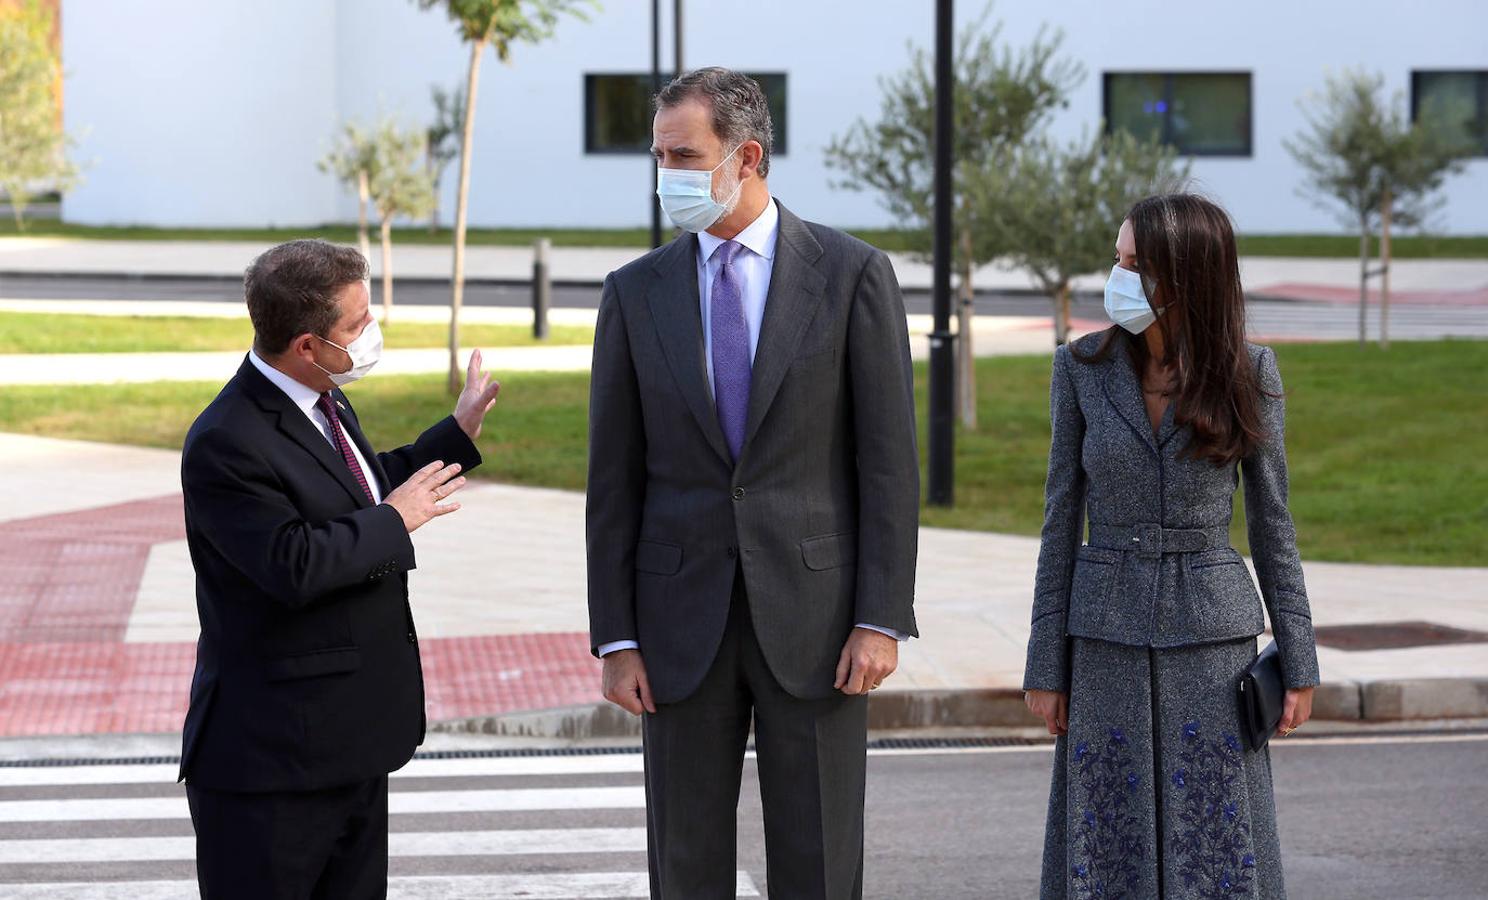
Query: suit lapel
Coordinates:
[295,425]
[1124,393]
[676,309]
[795,292]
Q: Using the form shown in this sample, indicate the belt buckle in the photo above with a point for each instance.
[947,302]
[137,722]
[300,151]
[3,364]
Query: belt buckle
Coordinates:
[1147,541]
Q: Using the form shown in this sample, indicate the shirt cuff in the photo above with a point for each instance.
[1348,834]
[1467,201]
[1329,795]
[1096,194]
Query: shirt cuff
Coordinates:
[612,646]
[896,635]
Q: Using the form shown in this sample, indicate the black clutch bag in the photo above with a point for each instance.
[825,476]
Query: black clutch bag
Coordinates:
[1262,696]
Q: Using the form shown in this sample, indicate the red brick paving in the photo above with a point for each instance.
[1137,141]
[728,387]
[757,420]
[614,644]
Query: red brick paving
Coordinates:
[71,583]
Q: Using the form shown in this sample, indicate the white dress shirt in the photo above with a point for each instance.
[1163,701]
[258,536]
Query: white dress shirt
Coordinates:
[752,267]
[306,399]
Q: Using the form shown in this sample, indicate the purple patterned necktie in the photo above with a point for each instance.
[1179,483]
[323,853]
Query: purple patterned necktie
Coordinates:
[731,358]
[328,406]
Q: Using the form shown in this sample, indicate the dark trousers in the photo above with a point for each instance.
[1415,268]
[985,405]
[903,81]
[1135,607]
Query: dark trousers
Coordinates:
[292,845]
[812,757]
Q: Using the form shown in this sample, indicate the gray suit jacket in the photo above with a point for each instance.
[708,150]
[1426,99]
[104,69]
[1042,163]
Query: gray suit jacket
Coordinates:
[1158,570]
[821,511]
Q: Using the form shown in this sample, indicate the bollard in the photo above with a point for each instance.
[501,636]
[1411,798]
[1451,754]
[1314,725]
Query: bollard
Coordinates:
[542,288]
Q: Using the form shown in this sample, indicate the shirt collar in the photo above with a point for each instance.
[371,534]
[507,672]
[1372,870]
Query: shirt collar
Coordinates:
[759,236]
[301,395]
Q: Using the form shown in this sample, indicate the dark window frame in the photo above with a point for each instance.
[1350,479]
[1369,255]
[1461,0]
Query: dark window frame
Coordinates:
[1482,78]
[1166,134]
[591,78]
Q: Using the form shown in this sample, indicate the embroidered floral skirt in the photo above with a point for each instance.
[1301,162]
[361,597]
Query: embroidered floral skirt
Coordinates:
[1154,792]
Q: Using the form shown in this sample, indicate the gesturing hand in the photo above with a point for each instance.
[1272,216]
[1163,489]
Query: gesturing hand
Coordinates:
[417,499]
[625,683]
[477,398]
[1052,707]
[867,659]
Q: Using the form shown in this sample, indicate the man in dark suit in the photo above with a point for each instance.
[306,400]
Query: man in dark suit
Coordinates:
[753,505]
[308,689]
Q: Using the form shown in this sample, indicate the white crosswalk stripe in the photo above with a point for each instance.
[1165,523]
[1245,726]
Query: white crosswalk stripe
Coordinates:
[109,832]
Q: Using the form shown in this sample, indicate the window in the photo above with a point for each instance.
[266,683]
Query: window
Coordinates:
[1456,103]
[1199,113]
[617,110]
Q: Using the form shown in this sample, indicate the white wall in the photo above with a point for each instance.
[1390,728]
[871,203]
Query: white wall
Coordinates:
[192,113]
[215,113]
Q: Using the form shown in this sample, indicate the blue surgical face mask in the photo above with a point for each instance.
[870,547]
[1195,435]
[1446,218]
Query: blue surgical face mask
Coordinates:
[687,196]
[1126,301]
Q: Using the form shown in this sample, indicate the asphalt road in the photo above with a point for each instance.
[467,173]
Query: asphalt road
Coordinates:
[1361,819]
[1394,821]
[1268,320]
[425,293]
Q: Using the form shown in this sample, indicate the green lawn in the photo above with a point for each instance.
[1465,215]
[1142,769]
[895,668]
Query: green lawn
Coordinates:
[1310,245]
[65,333]
[1388,448]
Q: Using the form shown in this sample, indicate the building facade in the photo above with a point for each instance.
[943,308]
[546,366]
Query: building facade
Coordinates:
[215,114]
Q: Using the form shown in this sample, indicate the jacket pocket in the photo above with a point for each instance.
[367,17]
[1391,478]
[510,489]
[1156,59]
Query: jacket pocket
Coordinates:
[1220,602]
[830,551]
[658,557]
[1090,589]
[330,661]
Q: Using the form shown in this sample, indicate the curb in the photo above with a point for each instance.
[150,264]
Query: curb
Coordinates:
[937,710]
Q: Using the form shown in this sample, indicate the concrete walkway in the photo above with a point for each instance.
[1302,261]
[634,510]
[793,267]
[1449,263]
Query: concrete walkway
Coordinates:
[1270,276]
[97,616]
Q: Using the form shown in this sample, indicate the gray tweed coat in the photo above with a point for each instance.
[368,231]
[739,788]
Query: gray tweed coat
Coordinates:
[1158,570]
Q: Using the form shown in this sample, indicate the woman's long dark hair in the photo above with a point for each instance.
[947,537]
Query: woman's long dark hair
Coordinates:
[1187,260]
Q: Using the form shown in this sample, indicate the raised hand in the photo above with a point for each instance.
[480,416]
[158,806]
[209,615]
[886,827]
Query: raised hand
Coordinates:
[417,499]
[477,398]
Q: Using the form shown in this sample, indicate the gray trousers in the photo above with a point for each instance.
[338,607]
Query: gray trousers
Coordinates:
[812,757]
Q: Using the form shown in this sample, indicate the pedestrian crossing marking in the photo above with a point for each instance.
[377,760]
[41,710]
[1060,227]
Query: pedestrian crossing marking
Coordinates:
[544,886]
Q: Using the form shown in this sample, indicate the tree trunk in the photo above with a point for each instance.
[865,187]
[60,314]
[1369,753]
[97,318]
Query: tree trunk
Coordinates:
[1062,314]
[364,196]
[1363,280]
[1386,209]
[434,176]
[462,203]
[387,269]
[966,394]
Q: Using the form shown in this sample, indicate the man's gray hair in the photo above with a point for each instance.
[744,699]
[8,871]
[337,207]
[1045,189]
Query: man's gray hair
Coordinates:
[740,111]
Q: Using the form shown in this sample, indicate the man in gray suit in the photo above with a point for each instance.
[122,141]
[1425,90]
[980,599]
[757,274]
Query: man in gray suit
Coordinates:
[753,505]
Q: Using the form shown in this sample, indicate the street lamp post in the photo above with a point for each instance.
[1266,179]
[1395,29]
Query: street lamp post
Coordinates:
[942,462]
[651,198]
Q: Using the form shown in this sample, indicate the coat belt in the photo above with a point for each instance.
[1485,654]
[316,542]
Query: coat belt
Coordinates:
[1153,540]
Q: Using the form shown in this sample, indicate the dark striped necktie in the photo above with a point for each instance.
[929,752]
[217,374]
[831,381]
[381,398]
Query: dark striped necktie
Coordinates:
[328,406]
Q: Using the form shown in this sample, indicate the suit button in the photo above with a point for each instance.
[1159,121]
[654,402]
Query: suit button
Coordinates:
[412,638]
[733,552]
[738,493]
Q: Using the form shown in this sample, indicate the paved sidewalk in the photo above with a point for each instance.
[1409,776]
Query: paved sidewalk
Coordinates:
[97,615]
[1433,281]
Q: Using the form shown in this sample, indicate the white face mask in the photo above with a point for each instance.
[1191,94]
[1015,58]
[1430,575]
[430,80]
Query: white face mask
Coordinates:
[687,196]
[1126,301]
[365,351]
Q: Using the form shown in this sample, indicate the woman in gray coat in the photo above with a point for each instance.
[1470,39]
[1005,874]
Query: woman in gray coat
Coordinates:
[1141,634]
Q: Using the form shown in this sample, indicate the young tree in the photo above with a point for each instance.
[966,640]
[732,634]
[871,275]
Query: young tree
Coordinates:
[1002,95]
[443,137]
[353,160]
[1057,208]
[498,24]
[33,146]
[402,186]
[1365,161]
